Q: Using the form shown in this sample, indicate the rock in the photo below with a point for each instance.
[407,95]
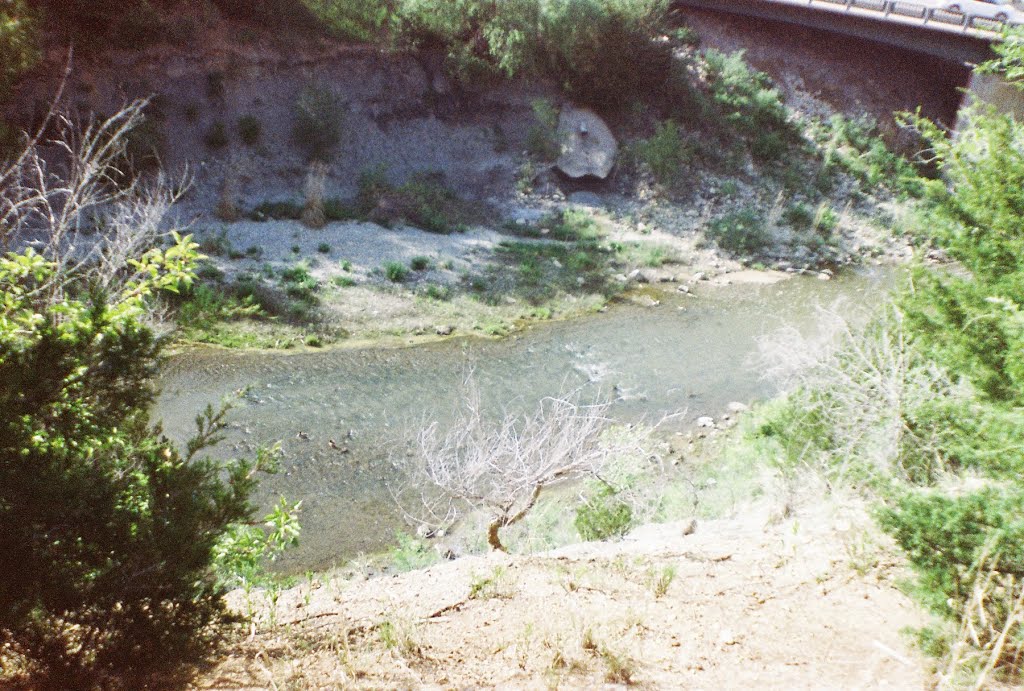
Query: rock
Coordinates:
[690,527]
[822,276]
[706,421]
[588,199]
[683,289]
[445,330]
[699,276]
[621,278]
[737,407]
[588,145]
[638,276]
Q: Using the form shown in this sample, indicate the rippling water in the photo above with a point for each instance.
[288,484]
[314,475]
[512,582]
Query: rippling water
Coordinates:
[686,353]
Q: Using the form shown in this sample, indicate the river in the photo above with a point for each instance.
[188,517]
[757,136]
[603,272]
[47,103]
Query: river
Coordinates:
[688,353]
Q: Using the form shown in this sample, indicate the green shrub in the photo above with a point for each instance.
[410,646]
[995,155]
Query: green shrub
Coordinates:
[217,136]
[276,211]
[603,515]
[249,130]
[355,20]
[542,138]
[945,538]
[419,263]
[665,153]
[799,216]
[19,42]
[323,248]
[440,293]
[298,283]
[741,233]
[142,147]
[114,537]
[319,119]
[396,272]
[601,52]
[749,104]
[412,554]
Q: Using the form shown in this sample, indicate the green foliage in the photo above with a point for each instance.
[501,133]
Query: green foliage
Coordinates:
[396,272]
[425,201]
[854,145]
[319,119]
[973,322]
[217,136]
[945,538]
[665,153]
[742,233]
[299,284]
[412,554]
[419,263]
[249,130]
[750,104]
[112,533]
[601,52]
[355,20]
[19,41]
[542,138]
[276,211]
[603,515]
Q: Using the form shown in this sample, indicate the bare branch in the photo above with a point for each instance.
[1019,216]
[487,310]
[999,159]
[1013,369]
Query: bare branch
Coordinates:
[500,467]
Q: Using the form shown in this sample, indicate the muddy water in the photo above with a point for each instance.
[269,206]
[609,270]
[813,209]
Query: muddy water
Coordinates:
[687,354]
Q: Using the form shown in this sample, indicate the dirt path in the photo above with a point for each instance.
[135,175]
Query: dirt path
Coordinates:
[800,604]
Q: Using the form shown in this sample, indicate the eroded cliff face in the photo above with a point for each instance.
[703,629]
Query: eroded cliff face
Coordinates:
[397,114]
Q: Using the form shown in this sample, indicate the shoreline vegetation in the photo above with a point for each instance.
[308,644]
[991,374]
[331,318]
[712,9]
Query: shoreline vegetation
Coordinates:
[898,437]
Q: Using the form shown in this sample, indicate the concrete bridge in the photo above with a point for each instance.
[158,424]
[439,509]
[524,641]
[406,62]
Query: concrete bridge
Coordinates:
[905,24]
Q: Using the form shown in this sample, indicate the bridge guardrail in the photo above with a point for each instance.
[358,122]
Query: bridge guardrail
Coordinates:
[904,8]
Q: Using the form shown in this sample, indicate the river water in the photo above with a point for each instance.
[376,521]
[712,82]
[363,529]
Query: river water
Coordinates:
[686,354]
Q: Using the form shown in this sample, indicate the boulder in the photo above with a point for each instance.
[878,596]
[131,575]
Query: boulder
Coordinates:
[588,145]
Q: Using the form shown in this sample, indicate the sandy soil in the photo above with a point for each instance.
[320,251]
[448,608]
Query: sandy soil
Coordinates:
[807,602]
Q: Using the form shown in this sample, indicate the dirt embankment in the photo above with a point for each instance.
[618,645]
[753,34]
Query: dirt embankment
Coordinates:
[806,602]
[849,74]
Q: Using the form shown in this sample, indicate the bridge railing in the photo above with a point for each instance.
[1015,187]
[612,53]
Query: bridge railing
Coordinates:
[926,13]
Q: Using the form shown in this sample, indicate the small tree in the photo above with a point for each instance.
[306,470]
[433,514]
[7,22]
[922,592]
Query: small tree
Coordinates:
[114,541]
[501,468]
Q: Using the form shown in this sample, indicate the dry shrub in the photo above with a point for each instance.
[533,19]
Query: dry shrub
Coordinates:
[991,635]
[313,214]
[500,467]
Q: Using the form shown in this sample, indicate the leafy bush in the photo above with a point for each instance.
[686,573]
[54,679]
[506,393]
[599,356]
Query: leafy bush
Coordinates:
[356,20]
[319,118]
[665,153]
[276,211]
[603,515]
[112,534]
[750,104]
[945,537]
[217,136]
[396,272]
[741,233]
[19,41]
[419,263]
[601,52]
[424,201]
[249,130]
[854,145]
[542,138]
[298,283]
